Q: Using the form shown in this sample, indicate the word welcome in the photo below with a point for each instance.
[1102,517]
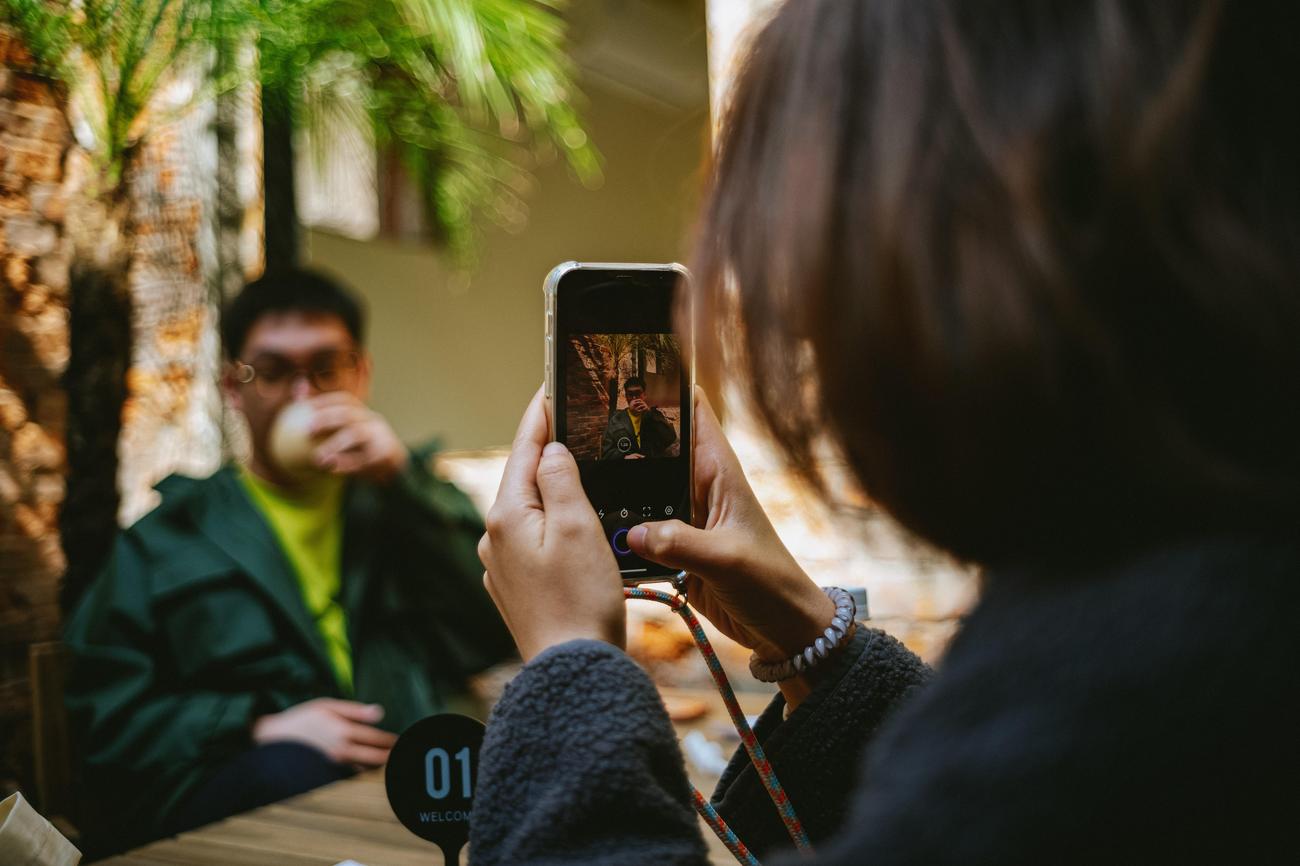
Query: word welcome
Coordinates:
[442,817]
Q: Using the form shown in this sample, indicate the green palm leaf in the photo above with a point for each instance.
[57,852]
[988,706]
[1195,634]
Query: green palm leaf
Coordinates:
[466,93]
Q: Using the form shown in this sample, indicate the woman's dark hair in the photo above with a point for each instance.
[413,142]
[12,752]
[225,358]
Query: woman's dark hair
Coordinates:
[289,290]
[1032,264]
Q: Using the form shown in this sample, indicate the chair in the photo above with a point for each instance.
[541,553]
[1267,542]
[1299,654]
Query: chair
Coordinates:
[47,665]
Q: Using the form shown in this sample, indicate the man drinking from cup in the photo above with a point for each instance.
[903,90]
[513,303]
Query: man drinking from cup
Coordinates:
[268,629]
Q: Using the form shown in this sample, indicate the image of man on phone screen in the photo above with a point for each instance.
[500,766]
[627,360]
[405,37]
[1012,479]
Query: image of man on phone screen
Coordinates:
[638,431]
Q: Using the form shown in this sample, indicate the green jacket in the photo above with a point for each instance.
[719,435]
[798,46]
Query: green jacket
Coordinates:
[198,626]
[620,439]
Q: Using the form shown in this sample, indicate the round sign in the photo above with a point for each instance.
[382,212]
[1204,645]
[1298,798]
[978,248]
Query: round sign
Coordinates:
[624,444]
[430,779]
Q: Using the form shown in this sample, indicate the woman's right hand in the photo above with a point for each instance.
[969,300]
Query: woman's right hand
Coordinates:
[740,575]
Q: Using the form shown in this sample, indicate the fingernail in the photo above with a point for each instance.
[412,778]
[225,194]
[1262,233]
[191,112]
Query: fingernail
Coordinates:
[553,448]
[636,535]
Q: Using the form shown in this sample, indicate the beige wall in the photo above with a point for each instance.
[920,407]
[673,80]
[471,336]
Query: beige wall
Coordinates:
[464,363]
[461,362]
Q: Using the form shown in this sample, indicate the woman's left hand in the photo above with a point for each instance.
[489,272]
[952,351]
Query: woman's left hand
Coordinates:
[549,568]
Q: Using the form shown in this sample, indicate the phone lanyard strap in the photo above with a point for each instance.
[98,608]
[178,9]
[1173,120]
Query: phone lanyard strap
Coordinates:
[720,828]
[773,787]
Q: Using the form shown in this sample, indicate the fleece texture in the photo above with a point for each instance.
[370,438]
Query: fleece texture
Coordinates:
[580,765]
[1138,709]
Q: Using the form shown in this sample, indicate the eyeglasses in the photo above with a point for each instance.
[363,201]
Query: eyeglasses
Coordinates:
[274,377]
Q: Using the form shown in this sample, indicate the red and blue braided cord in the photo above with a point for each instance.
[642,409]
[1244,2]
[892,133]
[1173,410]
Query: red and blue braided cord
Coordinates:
[784,807]
[725,833]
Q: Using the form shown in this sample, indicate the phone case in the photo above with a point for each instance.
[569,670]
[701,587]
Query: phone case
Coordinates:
[550,291]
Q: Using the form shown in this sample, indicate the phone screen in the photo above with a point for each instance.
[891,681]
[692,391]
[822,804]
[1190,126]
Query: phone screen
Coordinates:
[622,399]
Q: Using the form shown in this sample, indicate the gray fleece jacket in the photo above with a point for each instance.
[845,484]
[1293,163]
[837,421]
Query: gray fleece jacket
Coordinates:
[1138,709]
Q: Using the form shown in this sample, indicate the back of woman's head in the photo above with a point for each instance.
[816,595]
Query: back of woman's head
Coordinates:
[1033,265]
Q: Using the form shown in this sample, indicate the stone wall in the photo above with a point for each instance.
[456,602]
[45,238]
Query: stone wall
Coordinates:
[173,419]
[34,141]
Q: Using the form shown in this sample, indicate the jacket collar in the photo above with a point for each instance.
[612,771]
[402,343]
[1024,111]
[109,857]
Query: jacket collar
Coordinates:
[361,509]
[230,521]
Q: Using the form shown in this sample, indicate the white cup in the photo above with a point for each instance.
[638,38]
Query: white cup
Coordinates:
[293,448]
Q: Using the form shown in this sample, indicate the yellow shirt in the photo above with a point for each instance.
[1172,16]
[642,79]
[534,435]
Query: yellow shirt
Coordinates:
[308,523]
[636,425]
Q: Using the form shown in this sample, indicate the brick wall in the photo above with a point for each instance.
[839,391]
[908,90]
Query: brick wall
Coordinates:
[587,375]
[586,386]
[34,141]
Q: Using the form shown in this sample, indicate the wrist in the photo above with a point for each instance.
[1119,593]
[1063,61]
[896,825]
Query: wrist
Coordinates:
[261,729]
[816,653]
[795,691]
[389,471]
[536,644]
[808,613]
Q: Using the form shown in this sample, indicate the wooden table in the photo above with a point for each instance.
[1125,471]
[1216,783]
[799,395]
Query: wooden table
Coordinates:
[351,820]
[348,819]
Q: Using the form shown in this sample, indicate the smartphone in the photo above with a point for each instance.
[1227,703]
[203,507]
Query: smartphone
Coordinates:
[620,381]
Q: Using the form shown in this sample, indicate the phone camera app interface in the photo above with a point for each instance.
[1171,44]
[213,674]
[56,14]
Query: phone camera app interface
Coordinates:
[624,397]
[623,410]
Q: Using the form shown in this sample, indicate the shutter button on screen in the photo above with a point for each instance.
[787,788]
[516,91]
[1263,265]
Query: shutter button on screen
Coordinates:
[619,542]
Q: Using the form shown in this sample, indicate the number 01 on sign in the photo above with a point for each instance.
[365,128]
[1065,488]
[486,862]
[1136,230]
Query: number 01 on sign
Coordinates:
[430,779]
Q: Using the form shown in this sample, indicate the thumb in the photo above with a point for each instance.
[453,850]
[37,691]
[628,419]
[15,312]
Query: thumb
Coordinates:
[676,545]
[558,480]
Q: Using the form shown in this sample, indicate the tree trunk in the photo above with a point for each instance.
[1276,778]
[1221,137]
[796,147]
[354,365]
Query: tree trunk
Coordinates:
[100,327]
[282,241]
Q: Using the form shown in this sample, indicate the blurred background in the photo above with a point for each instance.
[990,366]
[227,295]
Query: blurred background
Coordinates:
[441,158]
[459,352]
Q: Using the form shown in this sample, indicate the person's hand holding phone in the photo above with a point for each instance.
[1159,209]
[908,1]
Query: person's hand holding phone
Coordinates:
[741,577]
[549,568]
